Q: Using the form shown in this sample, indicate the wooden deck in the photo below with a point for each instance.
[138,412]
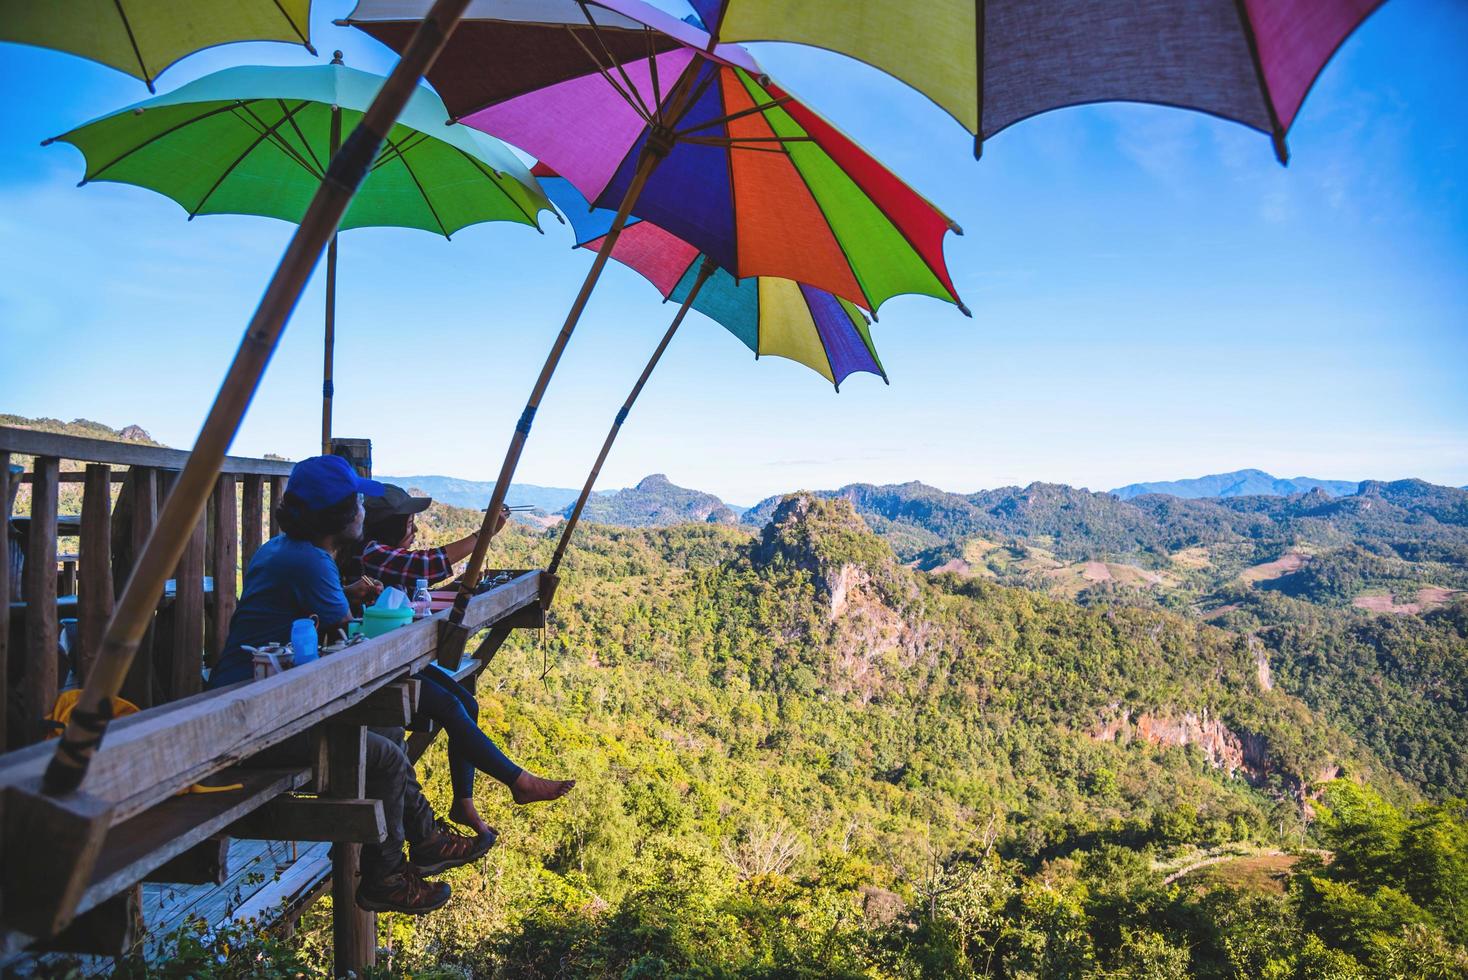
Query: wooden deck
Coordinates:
[74,860]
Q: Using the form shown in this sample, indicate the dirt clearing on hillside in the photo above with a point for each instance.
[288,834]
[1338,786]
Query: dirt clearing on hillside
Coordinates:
[1290,561]
[1427,599]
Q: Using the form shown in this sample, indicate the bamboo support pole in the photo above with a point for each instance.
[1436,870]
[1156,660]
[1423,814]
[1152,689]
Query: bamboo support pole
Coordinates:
[659,144]
[186,503]
[328,384]
[468,581]
[706,270]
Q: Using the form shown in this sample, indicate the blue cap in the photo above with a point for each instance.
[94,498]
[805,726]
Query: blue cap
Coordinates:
[321,481]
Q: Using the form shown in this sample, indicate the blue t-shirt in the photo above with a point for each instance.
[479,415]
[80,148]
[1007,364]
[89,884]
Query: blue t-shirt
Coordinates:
[287,580]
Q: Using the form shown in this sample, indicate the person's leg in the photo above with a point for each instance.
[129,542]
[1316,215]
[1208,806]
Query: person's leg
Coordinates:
[419,823]
[465,738]
[438,702]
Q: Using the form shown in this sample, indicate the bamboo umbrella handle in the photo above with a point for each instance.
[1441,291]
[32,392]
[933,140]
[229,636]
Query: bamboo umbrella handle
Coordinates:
[467,582]
[88,723]
[659,144]
[706,270]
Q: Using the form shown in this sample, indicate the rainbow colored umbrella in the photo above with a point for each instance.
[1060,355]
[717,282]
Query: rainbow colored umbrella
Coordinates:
[647,115]
[748,175]
[145,37]
[771,316]
[992,64]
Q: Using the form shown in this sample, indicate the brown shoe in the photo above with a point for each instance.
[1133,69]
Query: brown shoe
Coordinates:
[448,848]
[402,891]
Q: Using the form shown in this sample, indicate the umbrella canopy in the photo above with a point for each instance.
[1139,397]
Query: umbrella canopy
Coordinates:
[993,63]
[771,316]
[144,37]
[754,179]
[257,140]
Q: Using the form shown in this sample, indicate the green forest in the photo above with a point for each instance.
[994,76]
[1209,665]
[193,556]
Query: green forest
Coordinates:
[797,756]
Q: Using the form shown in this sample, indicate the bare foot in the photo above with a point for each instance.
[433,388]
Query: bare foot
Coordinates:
[530,788]
[463,813]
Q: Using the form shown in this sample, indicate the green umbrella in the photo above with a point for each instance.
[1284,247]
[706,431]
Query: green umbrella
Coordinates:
[257,140]
[144,37]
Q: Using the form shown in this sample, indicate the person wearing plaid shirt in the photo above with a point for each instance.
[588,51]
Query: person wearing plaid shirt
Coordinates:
[390,518]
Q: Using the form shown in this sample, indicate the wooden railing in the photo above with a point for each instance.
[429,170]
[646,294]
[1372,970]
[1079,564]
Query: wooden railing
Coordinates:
[193,619]
[69,865]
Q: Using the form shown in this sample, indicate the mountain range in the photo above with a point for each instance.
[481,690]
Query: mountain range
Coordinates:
[1240,483]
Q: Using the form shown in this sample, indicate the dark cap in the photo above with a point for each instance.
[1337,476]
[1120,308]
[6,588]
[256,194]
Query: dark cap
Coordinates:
[394,502]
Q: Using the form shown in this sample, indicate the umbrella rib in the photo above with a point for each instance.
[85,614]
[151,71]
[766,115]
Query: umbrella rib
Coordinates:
[636,106]
[495,178]
[737,115]
[290,151]
[395,150]
[621,70]
[416,183]
[158,136]
[238,160]
[305,143]
[127,26]
[294,27]
[652,68]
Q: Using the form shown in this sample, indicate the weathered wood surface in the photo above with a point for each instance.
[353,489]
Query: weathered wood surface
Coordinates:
[141,493]
[51,847]
[278,486]
[314,818]
[252,517]
[206,863]
[94,600]
[187,616]
[110,929]
[224,559]
[41,628]
[152,755]
[138,846]
[5,486]
[31,442]
[354,930]
[389,707]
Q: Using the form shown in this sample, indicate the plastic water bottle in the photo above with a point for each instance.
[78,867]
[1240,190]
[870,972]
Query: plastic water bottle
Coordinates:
[422,601]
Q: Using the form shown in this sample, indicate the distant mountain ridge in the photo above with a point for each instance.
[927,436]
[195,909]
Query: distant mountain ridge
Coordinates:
[476,493]
[655,501]
[1240,483]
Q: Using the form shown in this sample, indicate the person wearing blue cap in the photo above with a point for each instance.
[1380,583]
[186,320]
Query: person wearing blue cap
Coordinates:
[294,576]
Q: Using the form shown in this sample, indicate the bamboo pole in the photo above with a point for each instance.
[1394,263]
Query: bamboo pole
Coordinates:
[660,143]
[706,270]
[186,503]
[328,385]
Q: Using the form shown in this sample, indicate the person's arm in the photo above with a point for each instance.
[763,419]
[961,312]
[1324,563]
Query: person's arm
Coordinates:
[323,597]
[402,566]
[457,551]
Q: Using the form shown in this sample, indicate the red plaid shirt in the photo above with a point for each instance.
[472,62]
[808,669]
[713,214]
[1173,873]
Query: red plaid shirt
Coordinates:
[403,567]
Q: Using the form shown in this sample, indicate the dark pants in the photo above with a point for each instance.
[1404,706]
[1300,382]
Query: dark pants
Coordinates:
[389,778]
[454,709]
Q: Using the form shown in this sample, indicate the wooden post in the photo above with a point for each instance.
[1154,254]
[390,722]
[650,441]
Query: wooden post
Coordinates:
[5,483]
[187,661]
[39,687]
[225,563]
[252,517]
[354,930]
[278,485]
[143,492]
[94,601]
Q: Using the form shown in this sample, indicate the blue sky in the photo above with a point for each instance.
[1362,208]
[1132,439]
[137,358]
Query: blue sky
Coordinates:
[1154,297]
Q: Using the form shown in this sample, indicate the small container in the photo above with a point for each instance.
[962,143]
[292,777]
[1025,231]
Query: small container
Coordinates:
[376,622]
[304,641]
[271,659]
